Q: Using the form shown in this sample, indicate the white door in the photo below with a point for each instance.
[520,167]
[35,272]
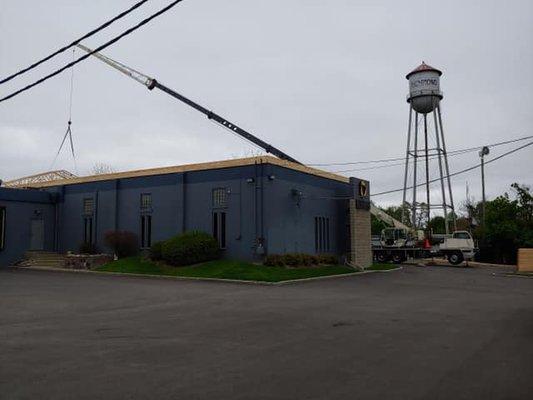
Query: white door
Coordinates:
[37,234]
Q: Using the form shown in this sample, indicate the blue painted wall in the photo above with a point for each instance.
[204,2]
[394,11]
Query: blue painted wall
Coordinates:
[23,206]
[262,207]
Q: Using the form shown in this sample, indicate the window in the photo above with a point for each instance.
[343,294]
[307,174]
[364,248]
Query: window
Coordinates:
[220,198]
[146,231]
[88,206]
[2,228]
[219,228]
[146,201]
[321,234]
[88,211]
[461,235]
[88,230]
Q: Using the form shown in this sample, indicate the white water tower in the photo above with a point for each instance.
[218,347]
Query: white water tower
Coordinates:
[424,99]
[424,88]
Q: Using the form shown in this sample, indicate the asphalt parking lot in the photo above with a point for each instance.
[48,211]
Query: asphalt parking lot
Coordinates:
[418,333]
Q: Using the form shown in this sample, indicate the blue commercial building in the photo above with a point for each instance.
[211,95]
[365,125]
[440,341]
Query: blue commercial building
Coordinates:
[253,206]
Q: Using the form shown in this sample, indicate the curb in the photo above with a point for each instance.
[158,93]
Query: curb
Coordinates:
[192,278]
[509,275]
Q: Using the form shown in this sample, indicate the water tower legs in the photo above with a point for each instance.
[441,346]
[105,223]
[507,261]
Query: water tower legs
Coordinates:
[404,217]
[445,154]
[426,153]
[421,213]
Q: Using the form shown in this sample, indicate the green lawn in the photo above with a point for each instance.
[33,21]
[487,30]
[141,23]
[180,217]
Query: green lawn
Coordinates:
[227,269]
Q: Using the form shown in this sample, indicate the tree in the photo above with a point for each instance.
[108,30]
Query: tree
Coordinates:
[508,226]
[101,169]
[376,225]
[437,224]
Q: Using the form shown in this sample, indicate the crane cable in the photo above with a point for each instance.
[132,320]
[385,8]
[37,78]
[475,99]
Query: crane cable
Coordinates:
[75,42]
[68,132]
[105,45]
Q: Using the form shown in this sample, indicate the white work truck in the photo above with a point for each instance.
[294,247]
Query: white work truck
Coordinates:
[400,244]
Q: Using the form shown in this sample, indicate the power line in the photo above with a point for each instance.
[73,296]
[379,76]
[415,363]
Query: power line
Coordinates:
[107,44]
[458,172]
[75,42]
[431,157]
[403,157]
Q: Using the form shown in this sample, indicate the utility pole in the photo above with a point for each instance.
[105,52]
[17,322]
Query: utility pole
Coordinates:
[482,153]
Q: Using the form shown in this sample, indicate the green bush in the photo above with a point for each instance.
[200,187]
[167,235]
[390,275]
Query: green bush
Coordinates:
[328,259]
[156,251]
[274,260]
[190,248]
[123,243]
[88,248]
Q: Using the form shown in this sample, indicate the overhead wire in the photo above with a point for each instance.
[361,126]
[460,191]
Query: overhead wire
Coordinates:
[85,56]
[75,42]
[458,172]
[469,149]
[424,183]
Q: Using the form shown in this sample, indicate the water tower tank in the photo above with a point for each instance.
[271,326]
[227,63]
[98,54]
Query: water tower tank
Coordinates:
[424,88]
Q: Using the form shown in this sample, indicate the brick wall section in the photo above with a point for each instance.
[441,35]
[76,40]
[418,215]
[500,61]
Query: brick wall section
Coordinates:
[361,247]
[525,260]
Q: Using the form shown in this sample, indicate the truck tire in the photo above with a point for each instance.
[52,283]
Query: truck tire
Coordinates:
[398,258]
[455,258]
[382,257]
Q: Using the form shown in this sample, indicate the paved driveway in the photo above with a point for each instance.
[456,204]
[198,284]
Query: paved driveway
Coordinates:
[419,333]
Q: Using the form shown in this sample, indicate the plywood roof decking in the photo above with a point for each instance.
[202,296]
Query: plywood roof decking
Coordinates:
[193,167]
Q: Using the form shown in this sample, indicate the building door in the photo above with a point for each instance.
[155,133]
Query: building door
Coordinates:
[37,234]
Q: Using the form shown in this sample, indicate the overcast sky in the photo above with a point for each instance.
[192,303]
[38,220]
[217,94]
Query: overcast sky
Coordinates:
[322,80]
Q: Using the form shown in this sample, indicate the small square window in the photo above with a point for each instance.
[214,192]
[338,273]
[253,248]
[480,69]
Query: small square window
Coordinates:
[220,198]
[88,206]
[146,201]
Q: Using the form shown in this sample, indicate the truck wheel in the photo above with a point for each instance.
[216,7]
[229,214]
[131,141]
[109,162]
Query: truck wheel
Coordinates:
[382,257]
[455,258]
[397,258]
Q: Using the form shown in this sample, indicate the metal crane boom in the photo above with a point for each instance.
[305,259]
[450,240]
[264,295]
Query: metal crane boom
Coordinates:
[152,83]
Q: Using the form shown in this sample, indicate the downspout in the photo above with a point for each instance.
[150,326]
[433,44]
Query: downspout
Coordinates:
[56,222]
[255,202]
[184,199]
[95,233]
[262,205]
[115,225]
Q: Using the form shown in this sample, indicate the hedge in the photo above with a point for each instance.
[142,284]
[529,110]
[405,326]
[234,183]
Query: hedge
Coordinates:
[190,248]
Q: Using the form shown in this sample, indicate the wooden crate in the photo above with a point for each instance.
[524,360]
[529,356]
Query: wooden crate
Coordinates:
[525,260]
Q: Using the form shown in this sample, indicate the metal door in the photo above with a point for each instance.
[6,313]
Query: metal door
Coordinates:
[37,234]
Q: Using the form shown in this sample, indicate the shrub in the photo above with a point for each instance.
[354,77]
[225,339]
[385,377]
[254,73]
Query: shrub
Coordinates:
[292,259]
[88,248]
[156,251]
[274,260]
[328,259]
[190,248]
[123,243]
